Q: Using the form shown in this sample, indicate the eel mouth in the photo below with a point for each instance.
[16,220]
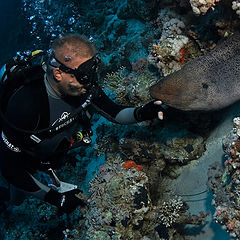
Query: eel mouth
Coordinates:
[164,92]
[173,94]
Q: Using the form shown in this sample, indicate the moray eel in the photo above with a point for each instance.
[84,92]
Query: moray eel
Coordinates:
[207,83]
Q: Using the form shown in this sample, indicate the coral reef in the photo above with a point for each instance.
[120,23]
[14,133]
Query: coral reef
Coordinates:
[224,183]
[119,201]
[120,206]
[160,158]
[34,220]
[176,150]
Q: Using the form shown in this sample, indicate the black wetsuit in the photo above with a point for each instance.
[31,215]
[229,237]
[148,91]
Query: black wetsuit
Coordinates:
[37,106]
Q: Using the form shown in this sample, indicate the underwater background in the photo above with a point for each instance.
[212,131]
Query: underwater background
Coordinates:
[171,179]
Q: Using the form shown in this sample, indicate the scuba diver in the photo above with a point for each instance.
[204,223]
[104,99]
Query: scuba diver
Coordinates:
[41,117]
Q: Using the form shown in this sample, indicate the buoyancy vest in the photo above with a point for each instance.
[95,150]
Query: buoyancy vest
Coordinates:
[35,92]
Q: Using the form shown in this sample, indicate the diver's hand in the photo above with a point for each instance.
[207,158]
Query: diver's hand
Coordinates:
[160,113]
[67,201]
[149,111]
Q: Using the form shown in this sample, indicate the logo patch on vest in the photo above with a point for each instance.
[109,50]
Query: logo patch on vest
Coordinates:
[64,119]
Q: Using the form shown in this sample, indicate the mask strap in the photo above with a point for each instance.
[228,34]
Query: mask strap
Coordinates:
[54,62]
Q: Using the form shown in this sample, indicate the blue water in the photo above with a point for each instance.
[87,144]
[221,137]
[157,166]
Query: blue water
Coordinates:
[11,21]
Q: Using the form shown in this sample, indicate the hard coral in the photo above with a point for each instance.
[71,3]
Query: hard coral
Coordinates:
[169,211]
[236,6]
[168,54]
[202,6]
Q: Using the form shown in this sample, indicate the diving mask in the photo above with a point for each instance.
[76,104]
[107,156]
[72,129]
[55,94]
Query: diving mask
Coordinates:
[86,73]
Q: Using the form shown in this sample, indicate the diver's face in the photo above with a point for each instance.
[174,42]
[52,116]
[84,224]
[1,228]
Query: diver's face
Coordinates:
[67,83]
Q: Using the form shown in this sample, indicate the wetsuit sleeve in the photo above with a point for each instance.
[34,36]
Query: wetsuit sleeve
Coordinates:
[114,112]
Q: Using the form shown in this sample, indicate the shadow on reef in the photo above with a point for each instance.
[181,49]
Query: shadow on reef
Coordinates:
[184,137]
[215,23]
[197,122]
[56,232]
[193,230]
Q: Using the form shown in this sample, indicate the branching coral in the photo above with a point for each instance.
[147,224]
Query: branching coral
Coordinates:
[137,89]
[169,211]
[116,81]
[132,88]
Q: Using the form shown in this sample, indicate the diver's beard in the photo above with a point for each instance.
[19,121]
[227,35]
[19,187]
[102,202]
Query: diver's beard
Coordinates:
[61,91]
[77,91]
[71,91]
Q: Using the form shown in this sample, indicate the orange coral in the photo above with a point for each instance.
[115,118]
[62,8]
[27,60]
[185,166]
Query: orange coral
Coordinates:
[182,54]
[131,164]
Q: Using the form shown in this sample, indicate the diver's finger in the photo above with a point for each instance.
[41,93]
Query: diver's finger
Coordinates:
[160,115]
[158,102]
